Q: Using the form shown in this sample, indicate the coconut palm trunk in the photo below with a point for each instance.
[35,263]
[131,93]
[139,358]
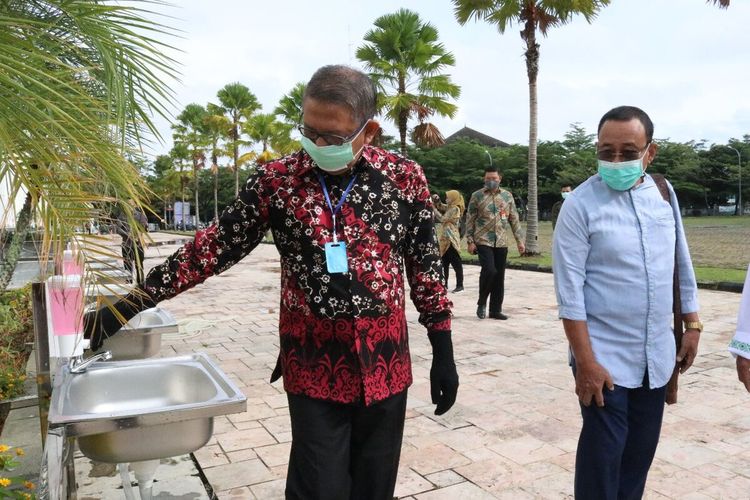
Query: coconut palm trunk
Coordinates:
[532,69]
[403,115]
[11,256]
[195,177]
[216,195]
[235,153]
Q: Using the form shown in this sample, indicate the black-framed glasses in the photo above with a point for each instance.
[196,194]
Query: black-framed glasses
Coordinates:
[627,154]
[329,139]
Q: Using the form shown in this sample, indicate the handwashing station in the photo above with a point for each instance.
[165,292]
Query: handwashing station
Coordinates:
[123,404]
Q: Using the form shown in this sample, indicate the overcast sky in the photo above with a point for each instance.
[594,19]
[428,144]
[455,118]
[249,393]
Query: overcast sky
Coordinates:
[685,62]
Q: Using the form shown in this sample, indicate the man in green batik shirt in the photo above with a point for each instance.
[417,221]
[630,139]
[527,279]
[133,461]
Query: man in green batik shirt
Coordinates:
[490,216]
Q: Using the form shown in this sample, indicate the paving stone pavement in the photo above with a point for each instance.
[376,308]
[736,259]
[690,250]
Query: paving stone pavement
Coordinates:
[513,431]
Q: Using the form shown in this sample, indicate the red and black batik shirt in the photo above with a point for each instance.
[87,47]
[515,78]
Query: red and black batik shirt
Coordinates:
[342,336]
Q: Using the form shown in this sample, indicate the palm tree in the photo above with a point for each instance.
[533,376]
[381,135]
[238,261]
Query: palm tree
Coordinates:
[180,154]
[238,102]
[273,136]
[531,15]
[166,183]
[80,81]
[405,60]
[723,4]
[290,106]
[191,130]
[218,128]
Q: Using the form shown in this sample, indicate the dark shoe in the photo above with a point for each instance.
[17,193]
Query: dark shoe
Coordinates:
[480,311]
[459,288]
[498,316]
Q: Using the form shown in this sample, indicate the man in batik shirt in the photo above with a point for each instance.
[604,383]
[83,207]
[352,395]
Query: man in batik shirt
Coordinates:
[490,217]
[347,218]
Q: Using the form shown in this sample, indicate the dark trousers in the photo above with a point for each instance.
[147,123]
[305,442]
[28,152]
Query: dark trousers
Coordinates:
[344,452]
[618,443]
[492,276]
[452,258]
[132,258]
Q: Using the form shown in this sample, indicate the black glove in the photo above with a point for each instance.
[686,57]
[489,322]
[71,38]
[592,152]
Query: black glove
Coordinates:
[443,375]
[101,324]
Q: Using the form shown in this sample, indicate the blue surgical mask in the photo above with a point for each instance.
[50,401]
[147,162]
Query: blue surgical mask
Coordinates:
[491,185]
[330,158]
[621,176]
[565,194]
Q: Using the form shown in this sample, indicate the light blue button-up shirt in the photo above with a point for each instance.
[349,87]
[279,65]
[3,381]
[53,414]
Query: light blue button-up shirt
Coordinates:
[613,258]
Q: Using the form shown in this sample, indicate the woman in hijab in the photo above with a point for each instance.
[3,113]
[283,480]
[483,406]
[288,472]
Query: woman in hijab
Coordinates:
[449,214]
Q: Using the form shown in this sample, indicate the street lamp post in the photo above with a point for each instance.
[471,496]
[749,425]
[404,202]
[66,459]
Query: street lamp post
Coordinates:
[489,156]
[739,165]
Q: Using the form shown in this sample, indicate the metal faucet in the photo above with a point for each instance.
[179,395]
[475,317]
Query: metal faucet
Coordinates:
[79,365]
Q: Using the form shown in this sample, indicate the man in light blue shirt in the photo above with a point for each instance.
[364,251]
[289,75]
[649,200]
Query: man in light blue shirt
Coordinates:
[613,260]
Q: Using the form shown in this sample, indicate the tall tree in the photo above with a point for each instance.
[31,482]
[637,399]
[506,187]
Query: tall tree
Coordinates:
[406,61]
[180,155]
[165,184]
[218,128]
[531,16]
[79,83]
[238,103]
[191,130]
[273,136]
[290,105]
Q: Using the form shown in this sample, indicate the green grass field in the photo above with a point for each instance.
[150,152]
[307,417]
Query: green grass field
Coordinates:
[719,246]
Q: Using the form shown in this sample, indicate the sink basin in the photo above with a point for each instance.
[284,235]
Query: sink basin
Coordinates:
[141,337]
[130,411]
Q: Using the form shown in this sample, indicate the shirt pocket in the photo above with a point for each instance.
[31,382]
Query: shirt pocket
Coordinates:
[662,215]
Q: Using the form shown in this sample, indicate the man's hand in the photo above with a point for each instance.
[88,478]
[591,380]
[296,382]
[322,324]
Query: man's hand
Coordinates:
[689,349]
[443,375]
[590,381]
[472,248]
[99,325]
[521,248]
[743,371]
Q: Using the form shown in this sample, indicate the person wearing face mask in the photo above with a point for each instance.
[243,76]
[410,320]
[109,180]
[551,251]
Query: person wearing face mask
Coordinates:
[564,193]
[351,223]
[615,248]
[449,215]
[491,215]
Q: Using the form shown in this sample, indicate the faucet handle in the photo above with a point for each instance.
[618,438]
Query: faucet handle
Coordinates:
[79,365]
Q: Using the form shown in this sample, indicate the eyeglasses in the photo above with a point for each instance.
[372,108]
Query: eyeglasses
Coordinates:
[329,139]
[628,154]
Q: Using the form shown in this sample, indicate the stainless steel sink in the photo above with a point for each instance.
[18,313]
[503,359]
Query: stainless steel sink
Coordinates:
[141,337]
[129,411]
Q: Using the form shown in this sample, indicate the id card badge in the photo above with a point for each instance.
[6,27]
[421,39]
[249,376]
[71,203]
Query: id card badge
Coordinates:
[336,257]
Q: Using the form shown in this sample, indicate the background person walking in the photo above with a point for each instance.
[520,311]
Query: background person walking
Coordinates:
[491,214]
[449,215]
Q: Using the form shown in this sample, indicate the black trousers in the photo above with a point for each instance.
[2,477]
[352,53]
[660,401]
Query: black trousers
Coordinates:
[344,452]
[492,276]
[452,258]
[618,443]
[132,258]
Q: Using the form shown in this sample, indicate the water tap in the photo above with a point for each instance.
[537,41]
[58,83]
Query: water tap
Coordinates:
[79,365]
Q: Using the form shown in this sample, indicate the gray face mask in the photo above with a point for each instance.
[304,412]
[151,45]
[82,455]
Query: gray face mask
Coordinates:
[492,185]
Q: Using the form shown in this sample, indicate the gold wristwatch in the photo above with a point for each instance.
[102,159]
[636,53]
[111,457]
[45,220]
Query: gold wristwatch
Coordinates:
[693,325]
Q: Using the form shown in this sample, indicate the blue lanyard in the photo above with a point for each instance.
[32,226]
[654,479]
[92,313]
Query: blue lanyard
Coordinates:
[339,204]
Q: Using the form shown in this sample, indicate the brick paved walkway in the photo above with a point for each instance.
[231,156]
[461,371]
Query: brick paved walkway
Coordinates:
[513,431]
